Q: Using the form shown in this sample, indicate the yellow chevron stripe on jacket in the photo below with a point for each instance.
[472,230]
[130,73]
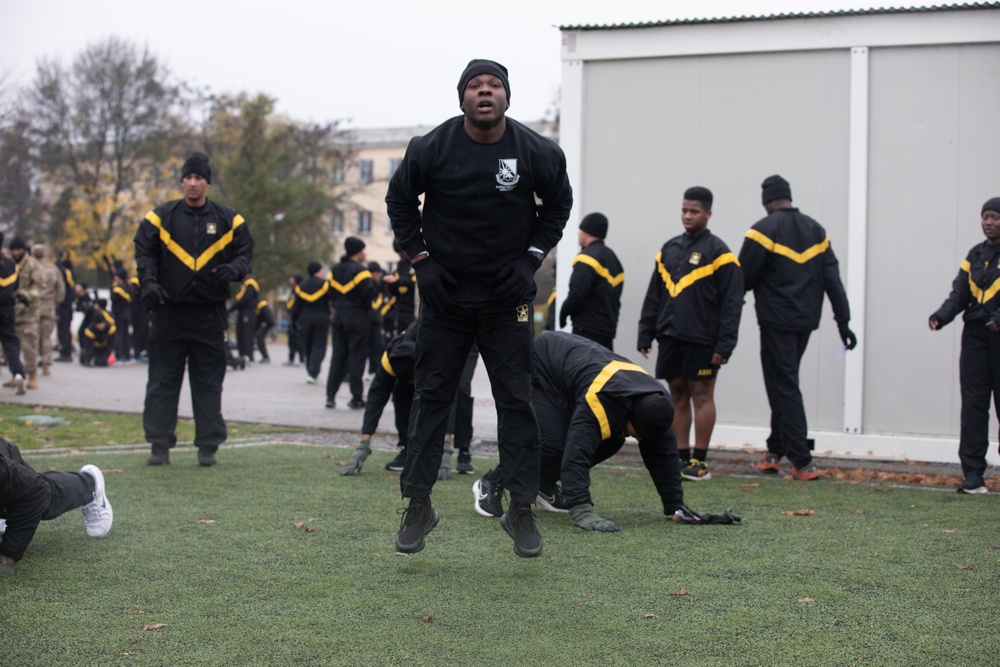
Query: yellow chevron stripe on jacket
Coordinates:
[785,251]
[122,292]
[69,278]
[312,297]
[195,264]
[387,365]
[344,289]
[9,280]
[390,302]
[261,304]
[602,379]
[377,303]
[600,270]
[691,278]
[980,295]
[243,288]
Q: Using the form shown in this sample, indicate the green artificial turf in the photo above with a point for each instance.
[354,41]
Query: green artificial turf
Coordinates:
[876,576]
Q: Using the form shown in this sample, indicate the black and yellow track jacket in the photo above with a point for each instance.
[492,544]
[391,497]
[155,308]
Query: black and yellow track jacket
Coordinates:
[597,388]
[975,288]
[789,264]
[595,291]
[247,297]
[265,317]
[178,246]
[312,299]
[351,286]
[695,294]
[100,337]
[8,280]
[121,301]
[399,306]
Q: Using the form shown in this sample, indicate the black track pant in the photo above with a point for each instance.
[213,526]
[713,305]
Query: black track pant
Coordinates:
[979,376]
[123,338]
[314,328]
[246,329]
[192,335]
[45,496]
[460,417]
[504,335]
[351,338]
[64,330]
[262,331]
[9,341]
[382,387]
[780,355]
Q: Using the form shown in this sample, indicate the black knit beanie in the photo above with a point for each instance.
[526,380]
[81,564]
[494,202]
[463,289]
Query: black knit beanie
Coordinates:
[652,415]
[18,242]
[311,269]
[479,66]
[197,163]
[992,204]
[595,224]
[775,187]
[353,245]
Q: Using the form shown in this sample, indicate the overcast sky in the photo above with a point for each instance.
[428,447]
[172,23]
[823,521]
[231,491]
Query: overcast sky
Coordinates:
[366,63]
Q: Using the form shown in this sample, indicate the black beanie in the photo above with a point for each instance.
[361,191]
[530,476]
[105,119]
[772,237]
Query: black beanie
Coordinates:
[311,269]
[18,242]
[775,187]
[197,163]
[374,267]
[353,245]
[595,224]
[298,279]
[992,204]
[652,415]
[479,66]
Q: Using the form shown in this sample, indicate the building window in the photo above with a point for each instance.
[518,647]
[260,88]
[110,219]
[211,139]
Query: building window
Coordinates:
[365,173]
[388,225]
[337,222]
[394,163]
[337,173]
[364,222]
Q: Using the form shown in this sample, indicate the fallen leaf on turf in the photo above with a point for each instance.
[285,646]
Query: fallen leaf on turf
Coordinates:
[881,490]
[378,554]
[107,470]
[947,531]
[154,626]
[137,612]
[309,529]
[313,519]
[341,463]
[963,567]
[205,521]
[799,512]
[126,653]
[650,616]
[857,511]
[806,600]
[298,525]
[864,567]
[749,487]
[993,546]
[579,603]
[76,452]
[682,591]
[428,618]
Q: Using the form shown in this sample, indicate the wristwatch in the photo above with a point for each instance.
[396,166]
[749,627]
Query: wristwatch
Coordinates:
[538,255]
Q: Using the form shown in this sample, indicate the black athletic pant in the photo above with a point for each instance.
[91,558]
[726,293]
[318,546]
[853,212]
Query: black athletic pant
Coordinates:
[382,387]
[63,330]
[295,344]
[315,327]
[140,330]
[351,338]
[780,355]
[376,345]
[191,334]
[9,341]
[246,329]
[460,416]
[41,497]
[262,331]
[606,341]
[979,377]
[504,334]
[123,339]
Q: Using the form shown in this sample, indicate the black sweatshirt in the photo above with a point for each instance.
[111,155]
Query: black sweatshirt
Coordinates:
[595,291]
[479,209]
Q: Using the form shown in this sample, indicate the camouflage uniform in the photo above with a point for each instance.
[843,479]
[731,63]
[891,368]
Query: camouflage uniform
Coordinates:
[31,283]
[53,291]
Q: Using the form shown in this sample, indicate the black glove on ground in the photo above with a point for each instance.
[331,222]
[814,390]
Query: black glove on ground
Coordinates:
[433,281]
[152,295]
[515,279]
[846,335]
[22,299]
[685,514]
[227,273]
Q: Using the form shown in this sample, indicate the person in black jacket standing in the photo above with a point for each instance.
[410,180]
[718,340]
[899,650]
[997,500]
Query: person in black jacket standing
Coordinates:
[789,264]
[311,317]
[401,293]
[245,307]
[64,311]
[974,293]
[187,253]
[692,308]
[595,286]
[475,249]
[9,341]
[121,309]
[352,291]
[265,322]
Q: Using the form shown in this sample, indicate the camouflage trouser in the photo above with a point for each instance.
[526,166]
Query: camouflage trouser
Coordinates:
[46,325]
[28,333]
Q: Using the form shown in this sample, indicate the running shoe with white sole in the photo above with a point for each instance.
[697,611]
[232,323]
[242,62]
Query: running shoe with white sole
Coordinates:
[97,515]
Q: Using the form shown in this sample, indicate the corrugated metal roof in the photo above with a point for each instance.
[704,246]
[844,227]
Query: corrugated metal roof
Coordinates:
[796,15]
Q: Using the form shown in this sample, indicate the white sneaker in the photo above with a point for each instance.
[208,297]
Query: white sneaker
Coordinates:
[19,384]
[97,515]
[3,525]
[310,379]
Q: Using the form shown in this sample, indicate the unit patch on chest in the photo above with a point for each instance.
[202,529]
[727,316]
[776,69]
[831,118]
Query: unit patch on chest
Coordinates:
[695,258]
[507,177]
[210,228]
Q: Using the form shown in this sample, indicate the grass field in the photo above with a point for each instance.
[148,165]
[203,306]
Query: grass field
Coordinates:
[877,575]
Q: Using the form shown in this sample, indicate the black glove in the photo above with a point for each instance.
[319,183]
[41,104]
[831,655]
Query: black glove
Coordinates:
[227,273]
[562,320]
[433,281]
[846,335]
[22,299]
[685,514]
[515,279]
[152,295]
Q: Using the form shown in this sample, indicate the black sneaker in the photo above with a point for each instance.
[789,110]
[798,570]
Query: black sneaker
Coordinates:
[159,457]
[551,499]
[330,403]
[464,466]
[356,404]
[973,485]
[488,496]
[206,458]
[398,462]
[519,523]
[418,520]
